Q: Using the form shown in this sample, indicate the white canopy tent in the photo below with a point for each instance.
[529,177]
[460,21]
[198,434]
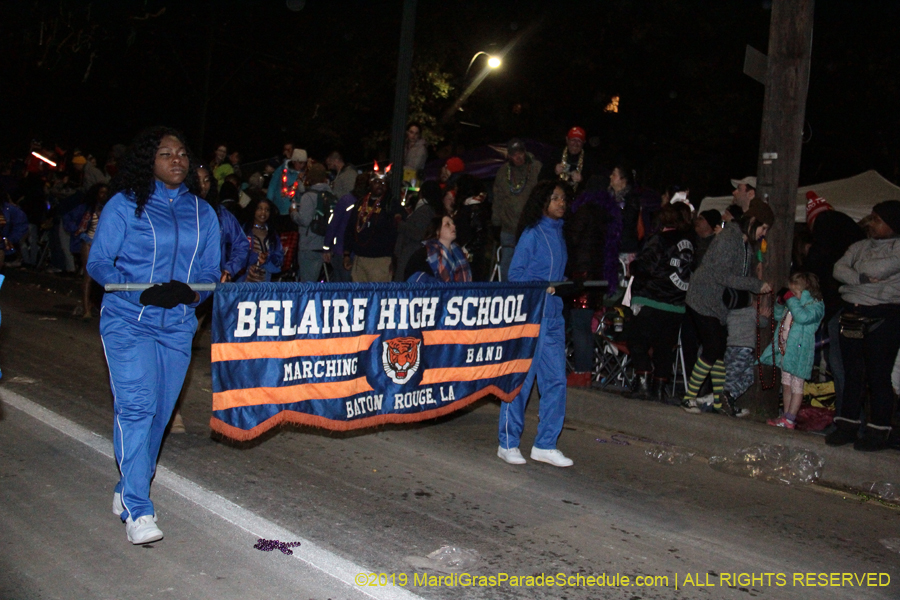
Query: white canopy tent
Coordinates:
[854,196]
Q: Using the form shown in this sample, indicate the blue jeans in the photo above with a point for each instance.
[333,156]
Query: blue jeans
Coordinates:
[508,247]
[835,362]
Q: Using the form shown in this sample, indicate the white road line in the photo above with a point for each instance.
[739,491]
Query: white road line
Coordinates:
[318,558]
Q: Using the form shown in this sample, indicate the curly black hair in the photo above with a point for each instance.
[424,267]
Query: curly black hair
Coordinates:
[538,202]
[92,196]
[135,176]
[272,233]
[212,196]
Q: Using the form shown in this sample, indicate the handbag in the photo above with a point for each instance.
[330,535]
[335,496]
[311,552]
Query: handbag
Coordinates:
[733,298]
[855,326]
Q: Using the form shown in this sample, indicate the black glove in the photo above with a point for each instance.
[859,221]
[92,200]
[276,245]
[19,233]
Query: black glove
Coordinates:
[168,295]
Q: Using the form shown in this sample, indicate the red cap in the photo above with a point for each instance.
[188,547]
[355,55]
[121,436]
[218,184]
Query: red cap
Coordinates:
[577,133]
[815,206]
[455,164]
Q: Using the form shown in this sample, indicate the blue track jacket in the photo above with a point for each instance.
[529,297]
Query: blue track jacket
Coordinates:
[16,226]
[176,237]
[541,255]
[234,245]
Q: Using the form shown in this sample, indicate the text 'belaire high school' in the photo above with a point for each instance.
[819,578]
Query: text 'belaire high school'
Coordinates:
[273,318]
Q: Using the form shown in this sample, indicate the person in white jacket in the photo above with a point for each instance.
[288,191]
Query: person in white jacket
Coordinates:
[870,330]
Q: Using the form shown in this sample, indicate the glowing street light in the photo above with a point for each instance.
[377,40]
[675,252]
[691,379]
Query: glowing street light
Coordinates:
[493,61]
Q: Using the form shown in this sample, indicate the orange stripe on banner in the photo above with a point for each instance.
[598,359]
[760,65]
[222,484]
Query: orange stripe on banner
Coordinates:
[479,336]
[292,348]
[475,373]
[296,418]
[288,394]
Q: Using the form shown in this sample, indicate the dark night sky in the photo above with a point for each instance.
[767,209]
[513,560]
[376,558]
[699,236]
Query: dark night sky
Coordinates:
[324,76]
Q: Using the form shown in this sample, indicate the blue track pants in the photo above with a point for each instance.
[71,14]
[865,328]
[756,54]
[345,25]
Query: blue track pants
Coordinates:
[147,366]
[550,370]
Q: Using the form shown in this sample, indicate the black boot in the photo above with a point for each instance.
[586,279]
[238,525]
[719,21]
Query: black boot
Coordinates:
[845,432]
[640,387]
[872,439]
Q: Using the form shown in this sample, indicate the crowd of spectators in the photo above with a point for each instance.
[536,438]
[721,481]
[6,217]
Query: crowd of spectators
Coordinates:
[685,273]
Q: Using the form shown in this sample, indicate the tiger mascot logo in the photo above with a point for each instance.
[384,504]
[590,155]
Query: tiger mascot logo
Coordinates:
[400,358]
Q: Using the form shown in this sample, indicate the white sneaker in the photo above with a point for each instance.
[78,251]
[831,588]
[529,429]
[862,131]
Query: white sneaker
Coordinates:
[553,457]
[699,405]
[177,423]
[511,455]
[142,531]
[118,508]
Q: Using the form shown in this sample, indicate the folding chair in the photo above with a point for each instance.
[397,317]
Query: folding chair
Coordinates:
[677,366]
[612,359]
[613,366]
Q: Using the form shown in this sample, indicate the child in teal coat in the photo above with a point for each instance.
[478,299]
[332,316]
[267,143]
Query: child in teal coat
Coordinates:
[798,314]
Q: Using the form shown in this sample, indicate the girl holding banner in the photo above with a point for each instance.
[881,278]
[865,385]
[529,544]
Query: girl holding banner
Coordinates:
[154,230]
[540,255]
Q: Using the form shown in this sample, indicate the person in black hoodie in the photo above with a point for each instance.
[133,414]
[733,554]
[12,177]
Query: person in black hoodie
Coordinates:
[662,273]
[832,233]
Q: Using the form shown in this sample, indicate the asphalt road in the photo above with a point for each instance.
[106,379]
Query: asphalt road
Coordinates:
[380,501]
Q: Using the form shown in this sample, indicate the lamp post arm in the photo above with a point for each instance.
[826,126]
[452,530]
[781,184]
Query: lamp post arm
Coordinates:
[472,62]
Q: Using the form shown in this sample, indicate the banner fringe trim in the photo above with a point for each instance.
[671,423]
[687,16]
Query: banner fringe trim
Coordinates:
[296,418]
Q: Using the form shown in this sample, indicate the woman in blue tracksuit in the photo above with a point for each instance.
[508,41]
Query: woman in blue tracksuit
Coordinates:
[540,255]
[233,243]
[154,230]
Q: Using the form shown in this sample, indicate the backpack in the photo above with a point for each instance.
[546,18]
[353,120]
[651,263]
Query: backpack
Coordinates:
[325,202]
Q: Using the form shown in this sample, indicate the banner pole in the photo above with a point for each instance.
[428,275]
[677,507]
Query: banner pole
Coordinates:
[140,287]
[211,287]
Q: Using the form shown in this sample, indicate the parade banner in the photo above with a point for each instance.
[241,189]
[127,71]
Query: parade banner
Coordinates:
[347,356]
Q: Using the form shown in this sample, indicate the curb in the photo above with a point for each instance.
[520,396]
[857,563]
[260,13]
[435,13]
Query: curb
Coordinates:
[710,434]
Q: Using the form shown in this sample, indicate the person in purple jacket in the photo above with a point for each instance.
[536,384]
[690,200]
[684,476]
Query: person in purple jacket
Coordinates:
[153,230]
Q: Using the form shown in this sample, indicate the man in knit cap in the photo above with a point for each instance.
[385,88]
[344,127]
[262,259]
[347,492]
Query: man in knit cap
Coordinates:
[831,233]
[451,171]
[512,186]
[814,207]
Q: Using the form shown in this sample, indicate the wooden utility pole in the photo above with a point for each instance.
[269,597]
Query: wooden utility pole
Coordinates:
[784,110]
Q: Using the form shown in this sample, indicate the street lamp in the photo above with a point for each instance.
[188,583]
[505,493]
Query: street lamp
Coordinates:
[493,61]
